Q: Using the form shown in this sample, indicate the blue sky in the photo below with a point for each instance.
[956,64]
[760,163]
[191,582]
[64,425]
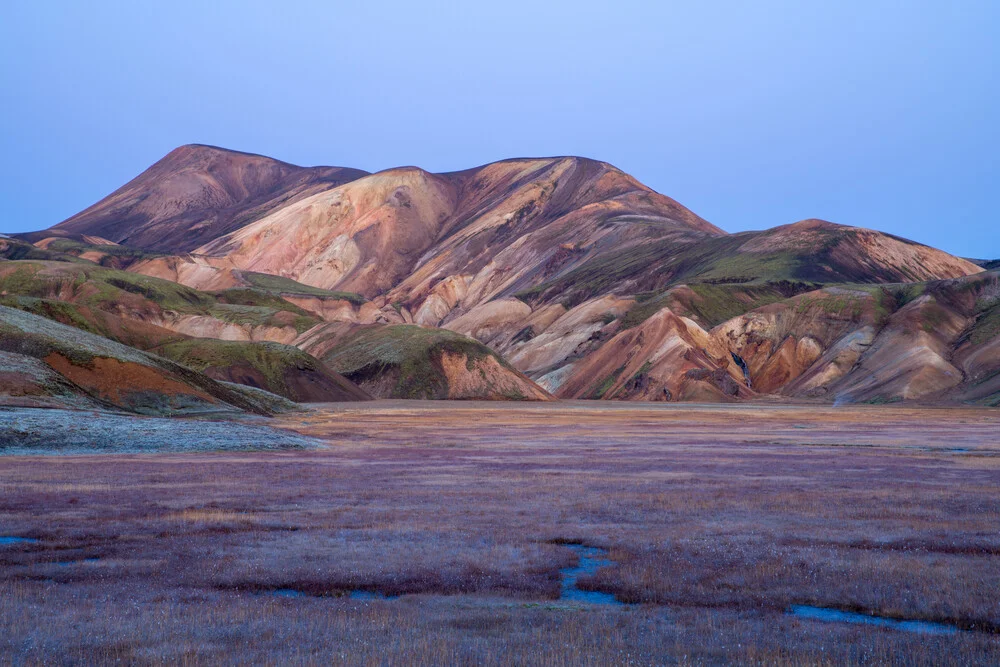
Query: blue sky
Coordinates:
[752,114]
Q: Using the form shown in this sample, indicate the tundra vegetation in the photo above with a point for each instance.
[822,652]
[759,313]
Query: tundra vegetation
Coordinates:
[435,532]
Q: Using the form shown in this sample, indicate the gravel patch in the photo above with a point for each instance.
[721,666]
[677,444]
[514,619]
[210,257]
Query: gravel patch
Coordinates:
[42,431]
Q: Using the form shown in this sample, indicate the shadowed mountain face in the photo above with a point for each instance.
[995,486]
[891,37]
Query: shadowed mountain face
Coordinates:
[564,272]
[195,194]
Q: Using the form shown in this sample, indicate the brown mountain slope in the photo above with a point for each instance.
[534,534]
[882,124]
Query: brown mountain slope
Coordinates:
[197,193]
[942,341]
[496,229]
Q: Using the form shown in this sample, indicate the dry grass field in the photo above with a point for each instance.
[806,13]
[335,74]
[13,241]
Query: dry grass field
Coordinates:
[435,533]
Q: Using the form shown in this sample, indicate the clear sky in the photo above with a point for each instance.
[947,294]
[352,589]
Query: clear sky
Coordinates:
[753,114]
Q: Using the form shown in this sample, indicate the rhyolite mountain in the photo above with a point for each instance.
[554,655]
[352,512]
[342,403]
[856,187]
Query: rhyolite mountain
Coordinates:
[527,278]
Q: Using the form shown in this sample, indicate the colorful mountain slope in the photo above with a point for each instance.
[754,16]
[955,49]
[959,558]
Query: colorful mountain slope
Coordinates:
[572,273]
[160,316]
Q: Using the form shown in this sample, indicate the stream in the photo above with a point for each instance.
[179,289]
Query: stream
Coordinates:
[591,559]
[840,616]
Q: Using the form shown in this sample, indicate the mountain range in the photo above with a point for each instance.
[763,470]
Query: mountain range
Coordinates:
[523,279]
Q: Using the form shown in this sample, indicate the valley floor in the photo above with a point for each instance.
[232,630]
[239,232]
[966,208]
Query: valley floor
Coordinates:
[436,533]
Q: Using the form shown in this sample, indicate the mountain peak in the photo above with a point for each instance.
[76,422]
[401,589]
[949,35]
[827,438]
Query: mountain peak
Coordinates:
[815,223]
[198,192]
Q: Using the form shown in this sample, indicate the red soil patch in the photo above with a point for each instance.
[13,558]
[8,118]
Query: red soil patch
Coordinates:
[109,377]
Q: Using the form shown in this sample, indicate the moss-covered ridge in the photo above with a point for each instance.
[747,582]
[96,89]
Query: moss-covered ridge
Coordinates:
[279,369]
[708,304]
[144,297]
[279,285]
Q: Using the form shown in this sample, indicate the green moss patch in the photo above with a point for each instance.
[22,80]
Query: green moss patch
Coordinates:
[255,316]
[600,389]
[13,249]
[281,285]
[987,326]
[271,360]
[115,256]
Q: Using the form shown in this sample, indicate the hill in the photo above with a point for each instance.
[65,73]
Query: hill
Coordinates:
[47,364]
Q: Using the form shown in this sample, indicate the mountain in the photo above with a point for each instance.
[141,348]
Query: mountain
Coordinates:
[988,264]
[560,276]
[502,227]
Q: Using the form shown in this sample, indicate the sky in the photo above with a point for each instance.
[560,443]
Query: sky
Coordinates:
[753,114]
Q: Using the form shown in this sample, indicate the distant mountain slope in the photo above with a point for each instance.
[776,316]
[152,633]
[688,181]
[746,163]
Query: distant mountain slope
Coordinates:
[197,193]
[854,343]
[812,251]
